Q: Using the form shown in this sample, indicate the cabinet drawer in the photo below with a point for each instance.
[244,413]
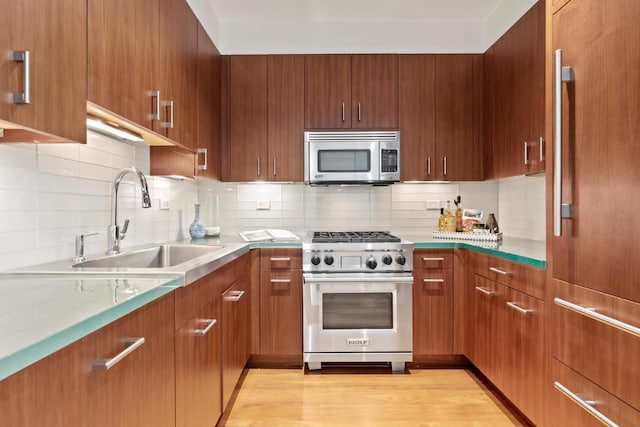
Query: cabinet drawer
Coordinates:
[599,349]
[432,259]
[280,259]
[518,276]
[574,395]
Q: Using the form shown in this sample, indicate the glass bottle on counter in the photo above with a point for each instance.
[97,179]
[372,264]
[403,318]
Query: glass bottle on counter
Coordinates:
[449,219]
[441,220]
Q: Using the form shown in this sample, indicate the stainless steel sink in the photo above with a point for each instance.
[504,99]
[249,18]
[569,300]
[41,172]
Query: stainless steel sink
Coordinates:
[161,256]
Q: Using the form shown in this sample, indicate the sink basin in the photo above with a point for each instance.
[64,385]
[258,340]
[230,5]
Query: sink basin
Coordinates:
[160,256]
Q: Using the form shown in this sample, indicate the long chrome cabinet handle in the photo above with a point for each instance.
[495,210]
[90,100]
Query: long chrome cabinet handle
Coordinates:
[344,117]
[280,280]
[105,364]
[169,124]
[497,270]
[485,291]
[541,145]
[584,404]
[429,166]
[203,332]
[275,167]
[155,114]
[432,280]
[259,171]
[444,162]
[280,259]
[433,259]
[233,296]
[516,307]
[204,153]
[593,314]
[359,112]
[561,74]
[526,153]
[23,56]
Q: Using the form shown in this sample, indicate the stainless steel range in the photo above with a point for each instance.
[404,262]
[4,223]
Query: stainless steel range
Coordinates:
[357,298]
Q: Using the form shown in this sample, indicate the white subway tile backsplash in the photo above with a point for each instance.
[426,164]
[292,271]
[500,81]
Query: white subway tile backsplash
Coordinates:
[18,156]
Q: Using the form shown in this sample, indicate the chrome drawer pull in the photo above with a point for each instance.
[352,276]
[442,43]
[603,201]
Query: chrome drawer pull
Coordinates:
[433,259]
[280,259]
[593,314]
[280,280]
[515,306]
[433,280]
[497,270]
[234,296]
[587,406]
[105,364]
[23,56]
[205,154]
[485,291]
[203,332]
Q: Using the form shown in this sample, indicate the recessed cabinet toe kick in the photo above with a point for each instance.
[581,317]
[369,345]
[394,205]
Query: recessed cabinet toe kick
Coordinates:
[357,302]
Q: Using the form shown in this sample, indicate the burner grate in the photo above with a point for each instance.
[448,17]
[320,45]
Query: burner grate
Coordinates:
[354,237]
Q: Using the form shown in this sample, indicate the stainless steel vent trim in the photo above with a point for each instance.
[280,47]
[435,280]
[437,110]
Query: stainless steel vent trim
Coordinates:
[352,136]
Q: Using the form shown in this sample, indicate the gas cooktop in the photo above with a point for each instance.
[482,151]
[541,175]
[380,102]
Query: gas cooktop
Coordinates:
[354,237]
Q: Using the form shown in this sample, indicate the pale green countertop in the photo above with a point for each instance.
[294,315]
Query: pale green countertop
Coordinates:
[40,315]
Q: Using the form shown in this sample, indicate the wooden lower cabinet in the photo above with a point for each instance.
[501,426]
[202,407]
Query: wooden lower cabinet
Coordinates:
[432,303]
[198,368]
[64,390]
[236,334]
[510,345]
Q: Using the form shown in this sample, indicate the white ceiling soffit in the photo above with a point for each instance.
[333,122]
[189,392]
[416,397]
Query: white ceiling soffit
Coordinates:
[358,26]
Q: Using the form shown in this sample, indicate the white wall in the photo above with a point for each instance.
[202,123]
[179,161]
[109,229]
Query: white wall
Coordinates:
[503,17]
[50,193]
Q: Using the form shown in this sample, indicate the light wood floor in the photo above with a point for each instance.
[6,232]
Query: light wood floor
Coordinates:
[434,397]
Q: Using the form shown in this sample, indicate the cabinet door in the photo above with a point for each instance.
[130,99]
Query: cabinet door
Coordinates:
[490,343]
[123,41]
[374,91]
[236,324]
[209,105]
[285,117]
[327,88]
[248,156]
[417,114]
[281,313]
[57,70]
[600,150]
[457,152]
[433,312]
[178,59]
[198,369]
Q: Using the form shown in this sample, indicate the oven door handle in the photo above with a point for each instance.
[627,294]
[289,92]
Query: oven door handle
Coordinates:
[359,279]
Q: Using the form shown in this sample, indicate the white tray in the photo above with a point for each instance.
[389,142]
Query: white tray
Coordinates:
[478,237]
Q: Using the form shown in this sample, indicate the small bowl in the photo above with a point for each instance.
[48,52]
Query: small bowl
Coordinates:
[212,231]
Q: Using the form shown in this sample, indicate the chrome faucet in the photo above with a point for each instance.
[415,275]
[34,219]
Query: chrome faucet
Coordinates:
[114,233]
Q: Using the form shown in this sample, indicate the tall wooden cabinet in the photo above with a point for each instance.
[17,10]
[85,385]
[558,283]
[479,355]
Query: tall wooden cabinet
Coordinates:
[595,278]
[514,88]
[439,116]
[55,71]
[351,91]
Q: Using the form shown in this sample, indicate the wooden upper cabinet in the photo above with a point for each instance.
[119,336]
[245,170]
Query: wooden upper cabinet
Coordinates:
[514,98]
[123,41]
[209,105]
[374,91]
[351,91]
[417,116]
[248,156]
[327,88]
[285,117]
[600,116]
[57,70]
[178,55]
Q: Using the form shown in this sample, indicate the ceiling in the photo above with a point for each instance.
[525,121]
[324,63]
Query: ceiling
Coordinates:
[357,26]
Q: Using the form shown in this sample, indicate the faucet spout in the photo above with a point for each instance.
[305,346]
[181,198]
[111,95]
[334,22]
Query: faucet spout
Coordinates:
[114,235]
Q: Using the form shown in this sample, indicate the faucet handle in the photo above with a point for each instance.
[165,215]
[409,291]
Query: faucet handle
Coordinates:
[80,247]
[125,227]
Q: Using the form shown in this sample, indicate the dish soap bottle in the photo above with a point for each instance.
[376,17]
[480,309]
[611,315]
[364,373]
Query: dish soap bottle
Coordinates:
[449,219]
[441,220]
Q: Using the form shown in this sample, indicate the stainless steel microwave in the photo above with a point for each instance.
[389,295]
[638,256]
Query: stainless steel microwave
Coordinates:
[356,157]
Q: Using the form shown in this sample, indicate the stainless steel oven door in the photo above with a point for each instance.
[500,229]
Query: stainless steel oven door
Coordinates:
[357,313]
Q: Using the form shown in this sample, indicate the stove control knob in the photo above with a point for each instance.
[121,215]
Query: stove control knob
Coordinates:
[372,263]
[328,260]
[400,259]
[387,260]
[315,260]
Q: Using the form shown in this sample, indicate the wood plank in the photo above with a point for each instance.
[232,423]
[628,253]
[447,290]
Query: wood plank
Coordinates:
[422,397]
